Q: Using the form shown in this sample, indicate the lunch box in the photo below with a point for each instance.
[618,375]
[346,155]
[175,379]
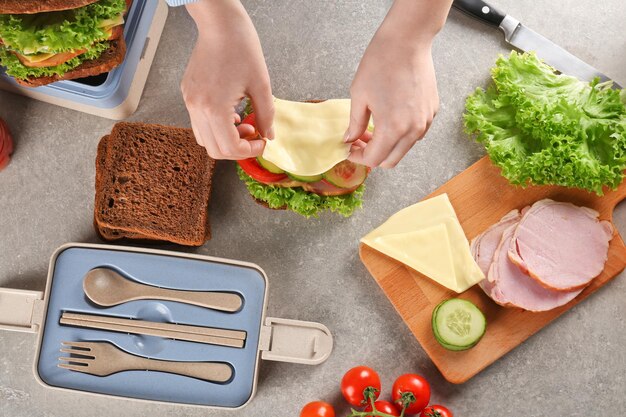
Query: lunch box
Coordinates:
[268,338]
[116,94]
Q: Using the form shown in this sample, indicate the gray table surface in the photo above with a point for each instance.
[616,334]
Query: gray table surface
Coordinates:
[574,367]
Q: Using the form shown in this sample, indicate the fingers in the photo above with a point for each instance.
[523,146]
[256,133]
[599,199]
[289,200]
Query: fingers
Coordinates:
[391,142]
[263,104]
[246,131]
[359,119]
[230,144]
[204,135]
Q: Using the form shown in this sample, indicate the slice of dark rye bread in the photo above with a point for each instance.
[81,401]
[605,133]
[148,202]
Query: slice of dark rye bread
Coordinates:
[153,182]
[107,233]
[109,59]
[40,6]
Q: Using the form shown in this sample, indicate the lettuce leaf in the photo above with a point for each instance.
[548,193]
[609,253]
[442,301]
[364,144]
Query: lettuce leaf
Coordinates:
[544,128]
[300,201]
[61,31]
[16,69]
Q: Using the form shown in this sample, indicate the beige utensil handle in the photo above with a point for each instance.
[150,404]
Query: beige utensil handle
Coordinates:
[207,371]
[214,300]
[179,328]
[190,337]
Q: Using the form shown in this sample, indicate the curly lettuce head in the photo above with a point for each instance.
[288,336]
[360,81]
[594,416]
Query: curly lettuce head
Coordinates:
[544,128]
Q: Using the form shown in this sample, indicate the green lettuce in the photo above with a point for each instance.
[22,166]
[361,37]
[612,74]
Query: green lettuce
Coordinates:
[544,128]
[300,201]
[62,31]
[16,69]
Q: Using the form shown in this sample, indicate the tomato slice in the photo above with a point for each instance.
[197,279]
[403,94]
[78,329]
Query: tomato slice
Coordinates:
[252,167]
[250,119]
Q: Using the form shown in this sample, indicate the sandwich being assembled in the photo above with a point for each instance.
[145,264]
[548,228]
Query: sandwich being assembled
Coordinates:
[42,42]
[305,168]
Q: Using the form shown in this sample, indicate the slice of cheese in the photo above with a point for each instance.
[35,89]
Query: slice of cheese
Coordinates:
[428,217]
[426,250]
[308,137]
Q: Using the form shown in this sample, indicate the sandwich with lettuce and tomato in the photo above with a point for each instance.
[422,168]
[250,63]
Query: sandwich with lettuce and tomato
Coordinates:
[305,168]
[42,42]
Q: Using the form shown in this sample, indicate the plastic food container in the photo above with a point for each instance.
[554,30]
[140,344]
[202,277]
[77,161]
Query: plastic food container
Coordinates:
[114,95]
[267,338]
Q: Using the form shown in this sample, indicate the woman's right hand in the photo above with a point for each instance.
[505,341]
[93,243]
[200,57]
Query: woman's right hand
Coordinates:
[226,65]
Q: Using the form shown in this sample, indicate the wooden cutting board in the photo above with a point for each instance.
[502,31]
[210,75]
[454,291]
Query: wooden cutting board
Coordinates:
[480,197]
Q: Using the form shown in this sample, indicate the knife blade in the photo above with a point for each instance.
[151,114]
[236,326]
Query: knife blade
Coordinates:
[521,37]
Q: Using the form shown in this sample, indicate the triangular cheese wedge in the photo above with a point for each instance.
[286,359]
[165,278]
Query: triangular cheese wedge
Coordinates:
[424,215]
[426,250]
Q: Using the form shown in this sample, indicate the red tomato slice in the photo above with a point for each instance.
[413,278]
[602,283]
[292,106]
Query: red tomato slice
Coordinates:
[252,167]
[250,120]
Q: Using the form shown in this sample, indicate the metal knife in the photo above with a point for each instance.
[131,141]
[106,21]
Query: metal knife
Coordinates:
[526,39]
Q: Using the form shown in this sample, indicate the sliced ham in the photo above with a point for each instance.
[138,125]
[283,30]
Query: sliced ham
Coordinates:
[484,246]
[560,245]
[512,287]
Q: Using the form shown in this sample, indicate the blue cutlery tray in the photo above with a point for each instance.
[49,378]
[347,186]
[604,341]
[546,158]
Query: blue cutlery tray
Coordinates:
[66,294]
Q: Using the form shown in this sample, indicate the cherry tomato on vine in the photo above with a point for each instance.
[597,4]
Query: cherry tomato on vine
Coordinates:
[317,409]
[355,381]
[384,407]
[436,410]
[408,385]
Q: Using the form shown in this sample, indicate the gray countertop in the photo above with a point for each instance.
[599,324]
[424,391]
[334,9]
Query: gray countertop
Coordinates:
[574,367]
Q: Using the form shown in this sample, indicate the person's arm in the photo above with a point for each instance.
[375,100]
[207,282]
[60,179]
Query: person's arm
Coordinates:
[226,65]
[395,84]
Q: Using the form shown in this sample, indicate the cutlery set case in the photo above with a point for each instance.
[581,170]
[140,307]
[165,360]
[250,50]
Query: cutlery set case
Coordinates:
[116,94]
[266,337]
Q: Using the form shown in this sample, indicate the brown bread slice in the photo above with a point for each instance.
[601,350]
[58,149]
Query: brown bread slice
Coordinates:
[107,233]
[109,59]
[153,182]
[40,6]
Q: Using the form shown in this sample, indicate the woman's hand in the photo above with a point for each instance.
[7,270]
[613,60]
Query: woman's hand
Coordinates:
[226,65]
[395,84]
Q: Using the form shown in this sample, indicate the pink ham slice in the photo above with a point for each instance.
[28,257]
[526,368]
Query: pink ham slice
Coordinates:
[560,245]
[512,287]
[484,246]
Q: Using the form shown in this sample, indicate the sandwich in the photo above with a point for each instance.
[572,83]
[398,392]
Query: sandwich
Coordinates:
[42,42]
[305,168]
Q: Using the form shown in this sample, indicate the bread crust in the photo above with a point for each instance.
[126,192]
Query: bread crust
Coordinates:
[109,59]
[37,6]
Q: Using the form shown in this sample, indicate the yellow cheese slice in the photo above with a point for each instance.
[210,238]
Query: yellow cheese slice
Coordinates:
[423,216]
[308,137]
[426,250]
[37,57]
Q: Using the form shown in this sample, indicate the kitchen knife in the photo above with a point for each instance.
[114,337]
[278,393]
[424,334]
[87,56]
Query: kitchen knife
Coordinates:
[526,39]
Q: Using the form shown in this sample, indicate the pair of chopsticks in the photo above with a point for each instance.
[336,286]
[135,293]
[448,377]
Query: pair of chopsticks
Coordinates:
[199,334]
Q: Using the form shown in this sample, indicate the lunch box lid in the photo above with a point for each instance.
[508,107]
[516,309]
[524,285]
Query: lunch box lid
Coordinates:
[116,94]
[282,340]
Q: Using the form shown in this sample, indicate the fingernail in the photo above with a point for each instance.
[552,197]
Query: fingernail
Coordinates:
[346,136]
[270,135]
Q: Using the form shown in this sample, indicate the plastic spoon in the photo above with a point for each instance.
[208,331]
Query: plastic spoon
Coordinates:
[108,288]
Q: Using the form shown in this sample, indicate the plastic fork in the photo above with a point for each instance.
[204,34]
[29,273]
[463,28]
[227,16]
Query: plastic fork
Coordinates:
[104,358]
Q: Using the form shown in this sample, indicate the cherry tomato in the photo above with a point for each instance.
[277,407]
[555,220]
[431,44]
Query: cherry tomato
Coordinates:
[252,167]
[6,144]
[436,410]
[355,381]
[384,407]
[317,409]
[409,384]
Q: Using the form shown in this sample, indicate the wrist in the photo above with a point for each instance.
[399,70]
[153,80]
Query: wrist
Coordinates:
[415,21]
[214,15]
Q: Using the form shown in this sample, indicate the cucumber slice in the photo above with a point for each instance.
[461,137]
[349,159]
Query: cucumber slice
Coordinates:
[458,324]
[301,178]
[346,174]
[269,166]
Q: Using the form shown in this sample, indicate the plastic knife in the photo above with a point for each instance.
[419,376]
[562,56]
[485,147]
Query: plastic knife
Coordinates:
[526,39]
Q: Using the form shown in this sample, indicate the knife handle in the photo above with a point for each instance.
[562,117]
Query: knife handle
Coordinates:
[480,10]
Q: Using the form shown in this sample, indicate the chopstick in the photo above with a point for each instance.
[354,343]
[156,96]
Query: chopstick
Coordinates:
[209,335]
